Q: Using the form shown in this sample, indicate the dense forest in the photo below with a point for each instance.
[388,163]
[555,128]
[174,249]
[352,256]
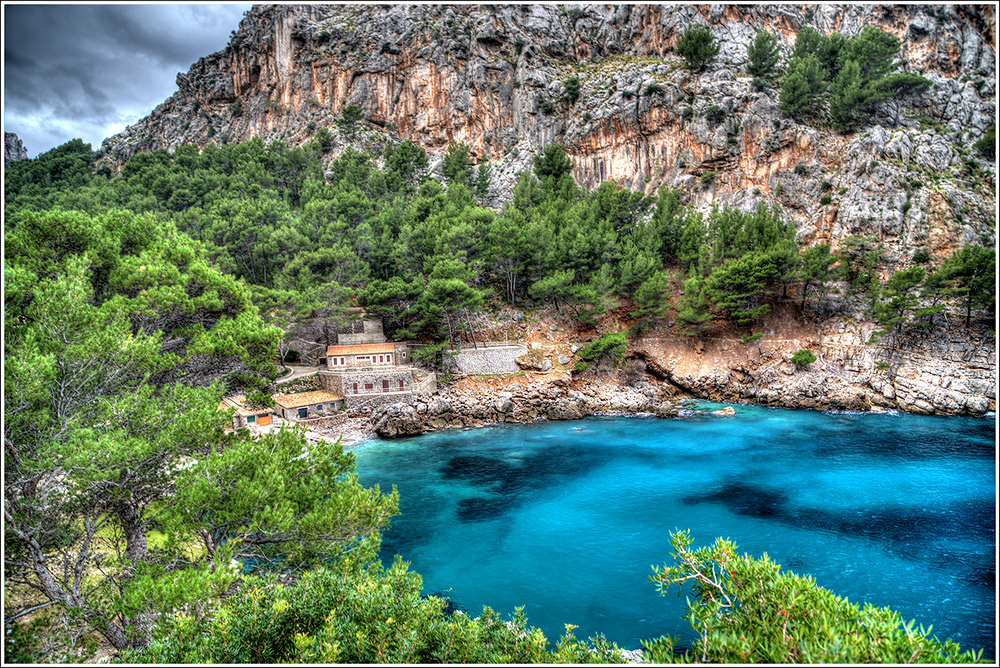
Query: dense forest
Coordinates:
[427,255]
[135,300]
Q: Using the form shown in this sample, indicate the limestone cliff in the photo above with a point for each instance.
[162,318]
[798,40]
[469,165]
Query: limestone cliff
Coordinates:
[494,76]
[13,149]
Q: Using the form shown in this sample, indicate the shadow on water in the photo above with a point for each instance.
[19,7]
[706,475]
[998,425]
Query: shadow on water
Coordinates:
[909,533]
[507,482]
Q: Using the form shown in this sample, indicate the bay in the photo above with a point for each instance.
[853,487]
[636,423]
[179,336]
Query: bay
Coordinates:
[567,518]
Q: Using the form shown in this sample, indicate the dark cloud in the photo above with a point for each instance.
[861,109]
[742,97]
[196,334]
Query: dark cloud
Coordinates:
[88,70]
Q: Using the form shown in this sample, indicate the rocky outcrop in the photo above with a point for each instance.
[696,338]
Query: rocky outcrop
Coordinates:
[13,149]
[948,374]
[455,409]
[484,74]
[495,76]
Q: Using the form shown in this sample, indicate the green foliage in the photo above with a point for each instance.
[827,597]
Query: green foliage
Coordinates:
[483,178]
[762,57]
[895,304]
[552,165]
[111,323]
[697,46]
[693,312]
[707,176]
[609,349]
[350,116]
[457,167]
[572,86]
[715,114]
[652,301]
[739,285]
[816,270]
[346,613]
[970,274]
[986,146]
[803,357]
[654,89]
[801,87]
[747,610]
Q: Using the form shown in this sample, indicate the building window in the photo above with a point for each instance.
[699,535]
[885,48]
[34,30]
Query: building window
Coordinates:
[385,385]
[369,387]
[319,407]
[303,412]
[400,384]
[355,388]
[252,419]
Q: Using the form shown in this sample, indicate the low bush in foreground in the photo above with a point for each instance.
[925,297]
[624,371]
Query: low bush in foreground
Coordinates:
[748,611]
[343,614]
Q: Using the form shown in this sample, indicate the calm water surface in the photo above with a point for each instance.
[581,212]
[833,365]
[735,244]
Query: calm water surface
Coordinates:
[566,518]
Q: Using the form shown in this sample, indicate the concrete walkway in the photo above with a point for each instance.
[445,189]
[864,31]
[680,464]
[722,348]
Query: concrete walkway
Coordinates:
[298,371]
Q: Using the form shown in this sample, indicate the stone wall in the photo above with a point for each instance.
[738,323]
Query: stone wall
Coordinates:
[341,382]
[369,331]
[489,360]
[367,403]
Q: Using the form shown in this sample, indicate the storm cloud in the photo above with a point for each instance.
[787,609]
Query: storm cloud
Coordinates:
[87,71]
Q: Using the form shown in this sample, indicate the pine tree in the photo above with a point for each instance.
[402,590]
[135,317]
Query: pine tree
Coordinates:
[849,96]
[698,47]
[694,314]
[652,301]
[762,57]
[895,303]
[801,88]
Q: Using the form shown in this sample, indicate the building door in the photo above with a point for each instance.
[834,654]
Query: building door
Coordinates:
[263,420]
[303,412]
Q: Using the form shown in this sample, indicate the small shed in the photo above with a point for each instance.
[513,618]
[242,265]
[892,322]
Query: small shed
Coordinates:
[303,405]
[244,415]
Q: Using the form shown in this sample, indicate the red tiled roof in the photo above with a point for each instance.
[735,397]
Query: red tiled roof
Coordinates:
[361,349]
[305,399]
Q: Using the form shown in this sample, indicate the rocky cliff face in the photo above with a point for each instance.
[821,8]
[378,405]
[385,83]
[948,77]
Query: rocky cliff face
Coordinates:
[13,149]
[494,76]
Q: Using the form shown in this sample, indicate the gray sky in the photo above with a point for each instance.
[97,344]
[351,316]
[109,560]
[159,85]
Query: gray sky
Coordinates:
[86,71]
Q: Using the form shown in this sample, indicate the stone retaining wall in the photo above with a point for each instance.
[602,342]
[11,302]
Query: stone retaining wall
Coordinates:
[485,361]
[365,404]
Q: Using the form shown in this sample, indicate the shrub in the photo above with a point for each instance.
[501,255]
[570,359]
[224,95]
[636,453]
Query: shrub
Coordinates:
[697,46]
[987,145]
[581,367]
[687,113]
[748,611]
[572,89]
[627,94]
[654,89]
[707,176]
[826,185]
[803,357]
[825,199]
[345,614]
[548,108]
[800,170]
[921,256]
[715,114]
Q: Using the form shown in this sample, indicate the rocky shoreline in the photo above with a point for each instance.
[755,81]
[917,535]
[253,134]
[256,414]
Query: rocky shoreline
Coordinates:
[464,408]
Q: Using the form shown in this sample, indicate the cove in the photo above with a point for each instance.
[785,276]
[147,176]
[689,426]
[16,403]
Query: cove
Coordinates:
[566,518]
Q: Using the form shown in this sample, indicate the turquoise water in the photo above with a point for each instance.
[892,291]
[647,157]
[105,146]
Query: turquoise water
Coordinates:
[566,518]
